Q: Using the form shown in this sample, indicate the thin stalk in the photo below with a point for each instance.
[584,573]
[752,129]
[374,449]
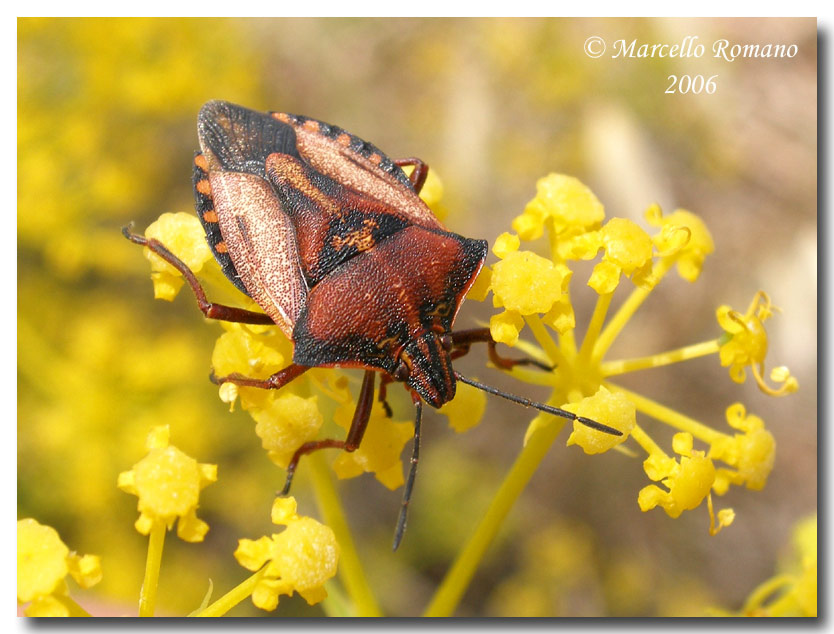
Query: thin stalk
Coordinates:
[668,416]
[546,342]
[350,566]
[451,590]
[621,366]
[626,311]
[595,325]
[156,542]
[233,596]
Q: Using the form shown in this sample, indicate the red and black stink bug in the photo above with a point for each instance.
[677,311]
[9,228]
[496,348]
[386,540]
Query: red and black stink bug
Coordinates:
[330,238]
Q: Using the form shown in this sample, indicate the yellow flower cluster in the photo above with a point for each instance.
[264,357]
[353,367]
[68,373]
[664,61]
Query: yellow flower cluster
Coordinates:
[299,559]
[43,563]
[168,483]
[534,292]
[745,344]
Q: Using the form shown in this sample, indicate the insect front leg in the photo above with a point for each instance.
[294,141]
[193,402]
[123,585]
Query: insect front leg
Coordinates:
[463,339]
[418,176]
[209,309]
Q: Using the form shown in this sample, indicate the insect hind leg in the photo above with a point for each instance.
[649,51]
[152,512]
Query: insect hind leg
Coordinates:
[420,173]
[361,416]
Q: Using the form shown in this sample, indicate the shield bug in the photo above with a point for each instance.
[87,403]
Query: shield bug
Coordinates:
[330,238]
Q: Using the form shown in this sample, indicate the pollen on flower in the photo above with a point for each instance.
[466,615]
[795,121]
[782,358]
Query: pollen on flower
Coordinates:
[750,454]
[564,201]
[687,482]
[526,283]
[628,251]
[183,235]
[506,326]
[685,235]
[745,344]
[504,244]
[43,563]
[299,559]
[613,408]
[168,483]
[284,422]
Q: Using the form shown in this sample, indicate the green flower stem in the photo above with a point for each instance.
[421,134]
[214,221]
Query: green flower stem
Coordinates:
[611,368]
[156,542]
[451,590]
[233,596]
[350,567]
[627,310]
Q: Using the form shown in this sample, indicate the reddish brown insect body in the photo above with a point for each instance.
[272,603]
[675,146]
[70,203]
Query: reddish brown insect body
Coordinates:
[330,238]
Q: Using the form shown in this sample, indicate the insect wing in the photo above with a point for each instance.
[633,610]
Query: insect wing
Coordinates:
[358,165]
[258,235]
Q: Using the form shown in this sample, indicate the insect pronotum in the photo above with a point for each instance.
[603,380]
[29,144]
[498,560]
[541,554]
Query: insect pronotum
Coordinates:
[330,238]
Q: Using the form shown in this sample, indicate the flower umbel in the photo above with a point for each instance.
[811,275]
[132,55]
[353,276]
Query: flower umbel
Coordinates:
[43,563]
[299,559]
[534,291]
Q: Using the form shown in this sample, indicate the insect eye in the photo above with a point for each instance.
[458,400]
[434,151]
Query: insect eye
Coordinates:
[446,341]
[401,372]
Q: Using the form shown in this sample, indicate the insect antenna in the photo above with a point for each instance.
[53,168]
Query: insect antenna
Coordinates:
[549,409]
[412,472]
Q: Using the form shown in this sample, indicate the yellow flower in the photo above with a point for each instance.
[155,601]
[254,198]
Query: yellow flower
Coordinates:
[751,453]
[168,483]
[688,482]
[684,235]
[535,291]
[43,562]
[466,409]
[615,409]
[563,204]
[183,235]
[299,559]
[746,345]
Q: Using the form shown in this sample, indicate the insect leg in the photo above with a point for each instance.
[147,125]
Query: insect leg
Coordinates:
[274,382]
[462,339]
[412,473]
[209,309]
[418,176]
[383,393]
[358,425]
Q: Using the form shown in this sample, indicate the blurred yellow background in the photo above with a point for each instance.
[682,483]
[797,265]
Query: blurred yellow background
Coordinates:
[106,131]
